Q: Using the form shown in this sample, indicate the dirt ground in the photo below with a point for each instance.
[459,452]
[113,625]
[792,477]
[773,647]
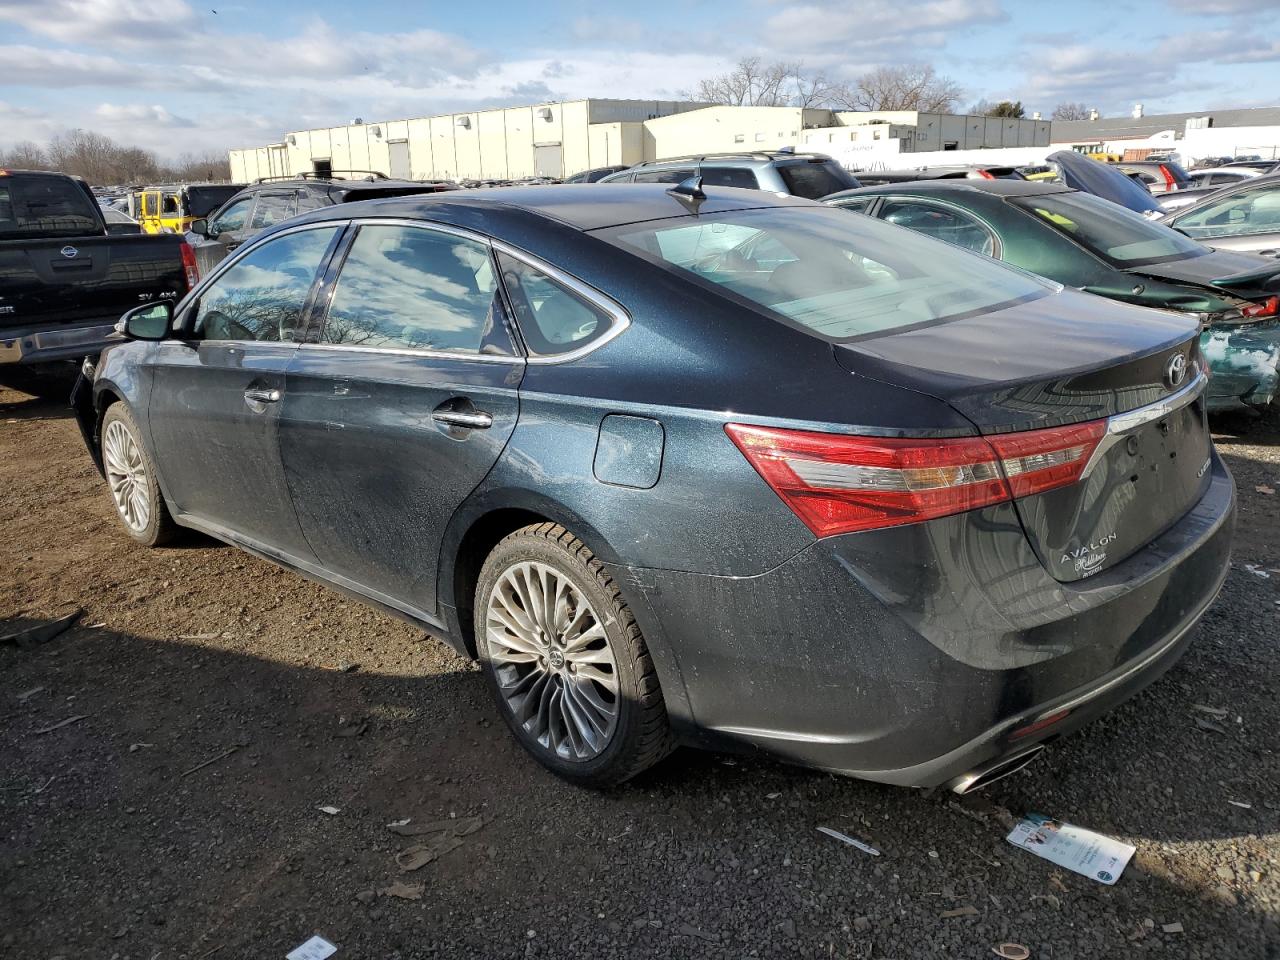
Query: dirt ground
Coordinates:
[212,703]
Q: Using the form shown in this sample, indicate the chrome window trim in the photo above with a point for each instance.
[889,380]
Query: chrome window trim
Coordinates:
[620,319]
[1122,423]
[412,352]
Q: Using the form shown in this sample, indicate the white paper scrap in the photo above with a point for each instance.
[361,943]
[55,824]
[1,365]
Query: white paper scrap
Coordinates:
[1075,848]
[845,838]
[317,948]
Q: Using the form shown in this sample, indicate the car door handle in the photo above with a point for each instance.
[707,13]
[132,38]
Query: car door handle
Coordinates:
[257,398]
[473,420]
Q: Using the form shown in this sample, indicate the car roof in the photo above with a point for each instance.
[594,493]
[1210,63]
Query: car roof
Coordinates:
[583,206]
[743,158]
[1004,188]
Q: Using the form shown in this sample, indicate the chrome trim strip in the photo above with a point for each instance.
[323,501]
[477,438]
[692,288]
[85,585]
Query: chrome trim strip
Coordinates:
[1122,423]
[621,319]
[410,352]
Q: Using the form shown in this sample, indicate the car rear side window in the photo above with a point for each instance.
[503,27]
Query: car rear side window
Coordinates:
[838,276]
[669,175]
[729,177]
[1252,210]
[413,288]
[941,222]
[39,206]
[262,295]
[815,180]
[273,208]
[553,319]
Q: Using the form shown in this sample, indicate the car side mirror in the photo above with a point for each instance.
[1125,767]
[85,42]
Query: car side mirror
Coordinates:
[151,321]
[200,227]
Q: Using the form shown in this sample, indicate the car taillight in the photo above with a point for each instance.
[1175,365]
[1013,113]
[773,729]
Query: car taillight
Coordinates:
[1268,308]
[986,175]
[189,265]
[1170,184]
[838,483]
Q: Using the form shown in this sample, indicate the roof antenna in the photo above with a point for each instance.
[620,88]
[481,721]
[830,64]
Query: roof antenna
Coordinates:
[689,192]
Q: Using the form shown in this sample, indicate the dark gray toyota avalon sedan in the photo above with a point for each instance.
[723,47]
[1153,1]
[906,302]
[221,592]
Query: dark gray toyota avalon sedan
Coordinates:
[721,468]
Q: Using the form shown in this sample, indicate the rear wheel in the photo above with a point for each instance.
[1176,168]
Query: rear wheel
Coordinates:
[565,660]
[131,480]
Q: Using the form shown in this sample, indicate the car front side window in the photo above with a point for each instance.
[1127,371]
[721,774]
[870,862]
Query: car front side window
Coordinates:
[262,296]
[231,219]
[413,288]
[1254,210]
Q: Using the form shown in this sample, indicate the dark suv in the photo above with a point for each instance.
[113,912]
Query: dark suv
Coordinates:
[269,200]
[809,175]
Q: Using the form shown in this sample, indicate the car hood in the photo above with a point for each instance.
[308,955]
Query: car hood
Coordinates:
[1081,173]
[1243,274]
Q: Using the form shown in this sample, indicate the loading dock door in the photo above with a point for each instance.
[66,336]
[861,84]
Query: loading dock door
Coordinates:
[548,160]
[399,151]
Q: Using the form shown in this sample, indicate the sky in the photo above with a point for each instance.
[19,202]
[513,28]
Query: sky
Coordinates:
[173,76]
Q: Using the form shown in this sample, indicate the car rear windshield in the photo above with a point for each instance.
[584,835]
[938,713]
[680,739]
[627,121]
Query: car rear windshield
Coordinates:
[813,181]
[36,206]
[1112,232]
[840,277]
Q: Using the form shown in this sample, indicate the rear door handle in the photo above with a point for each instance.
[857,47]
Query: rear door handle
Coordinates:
[476,420]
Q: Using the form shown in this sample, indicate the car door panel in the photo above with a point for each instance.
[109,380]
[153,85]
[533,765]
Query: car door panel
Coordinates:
[402,406]
[214,408]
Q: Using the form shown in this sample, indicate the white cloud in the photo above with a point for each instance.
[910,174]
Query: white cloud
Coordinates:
[128,116]
[100,21]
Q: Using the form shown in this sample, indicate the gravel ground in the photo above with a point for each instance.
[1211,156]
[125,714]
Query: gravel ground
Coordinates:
[219,702]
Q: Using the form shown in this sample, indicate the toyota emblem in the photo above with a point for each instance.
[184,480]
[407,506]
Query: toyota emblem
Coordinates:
[1175,370]
[69,251]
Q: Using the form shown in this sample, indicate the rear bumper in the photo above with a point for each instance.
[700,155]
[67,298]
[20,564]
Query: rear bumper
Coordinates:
[45,345]
[910,655]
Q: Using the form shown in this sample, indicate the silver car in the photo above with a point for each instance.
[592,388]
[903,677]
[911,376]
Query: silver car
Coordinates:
[1246,217]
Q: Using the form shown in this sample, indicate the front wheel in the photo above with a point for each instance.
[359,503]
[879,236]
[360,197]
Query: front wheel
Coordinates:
[131,480]
[565,660]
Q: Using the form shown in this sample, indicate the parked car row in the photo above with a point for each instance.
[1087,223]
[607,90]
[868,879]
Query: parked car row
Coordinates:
[683,462]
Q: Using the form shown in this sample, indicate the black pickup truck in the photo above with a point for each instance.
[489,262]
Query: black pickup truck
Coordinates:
[65,277]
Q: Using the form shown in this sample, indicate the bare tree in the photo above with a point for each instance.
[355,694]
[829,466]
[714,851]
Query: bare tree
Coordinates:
[25,156]
[1070,111]
[913,86]
[752,83]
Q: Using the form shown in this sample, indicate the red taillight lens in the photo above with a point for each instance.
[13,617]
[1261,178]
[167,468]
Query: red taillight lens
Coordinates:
[837,483]
[986,175]
[1042,724]
[1170,184]
[1268,308]
[1041,460]
[189,265]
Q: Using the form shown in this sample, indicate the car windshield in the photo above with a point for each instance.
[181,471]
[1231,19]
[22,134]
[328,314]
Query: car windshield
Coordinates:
[837,276]
[1114,233]
[813,181]
[39,206]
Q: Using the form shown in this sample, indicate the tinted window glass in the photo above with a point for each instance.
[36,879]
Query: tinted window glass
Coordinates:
[271,209]
[729,177]
[232,218]
[262,296]
[942,223]
[670,175]
[1112,232]
[552,318]
[816,180]
[857,205]
[1254,210]
[45,207]
[169,205]
[841,277]
[310,200]
[411,288]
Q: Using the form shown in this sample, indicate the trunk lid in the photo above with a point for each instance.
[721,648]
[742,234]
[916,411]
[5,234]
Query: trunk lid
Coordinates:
[1061,360]
[1243,274]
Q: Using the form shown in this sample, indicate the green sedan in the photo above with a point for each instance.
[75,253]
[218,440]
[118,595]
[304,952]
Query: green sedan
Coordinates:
[1083,241]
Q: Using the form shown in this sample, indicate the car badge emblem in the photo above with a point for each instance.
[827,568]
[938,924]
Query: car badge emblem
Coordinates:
[1175,370]
[69,251]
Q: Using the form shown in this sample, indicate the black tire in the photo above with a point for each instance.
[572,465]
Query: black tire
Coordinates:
[159,528]
[642,734]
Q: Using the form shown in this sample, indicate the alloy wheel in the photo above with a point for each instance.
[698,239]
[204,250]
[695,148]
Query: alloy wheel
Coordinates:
[127,476]
[551,657]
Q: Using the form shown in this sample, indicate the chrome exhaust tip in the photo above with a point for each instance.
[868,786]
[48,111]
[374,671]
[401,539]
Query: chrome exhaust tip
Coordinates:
[995,770]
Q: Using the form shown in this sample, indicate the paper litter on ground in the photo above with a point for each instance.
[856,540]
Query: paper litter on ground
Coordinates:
[1075,848]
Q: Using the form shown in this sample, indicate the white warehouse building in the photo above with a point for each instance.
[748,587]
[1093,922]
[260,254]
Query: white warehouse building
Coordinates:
[560,139]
